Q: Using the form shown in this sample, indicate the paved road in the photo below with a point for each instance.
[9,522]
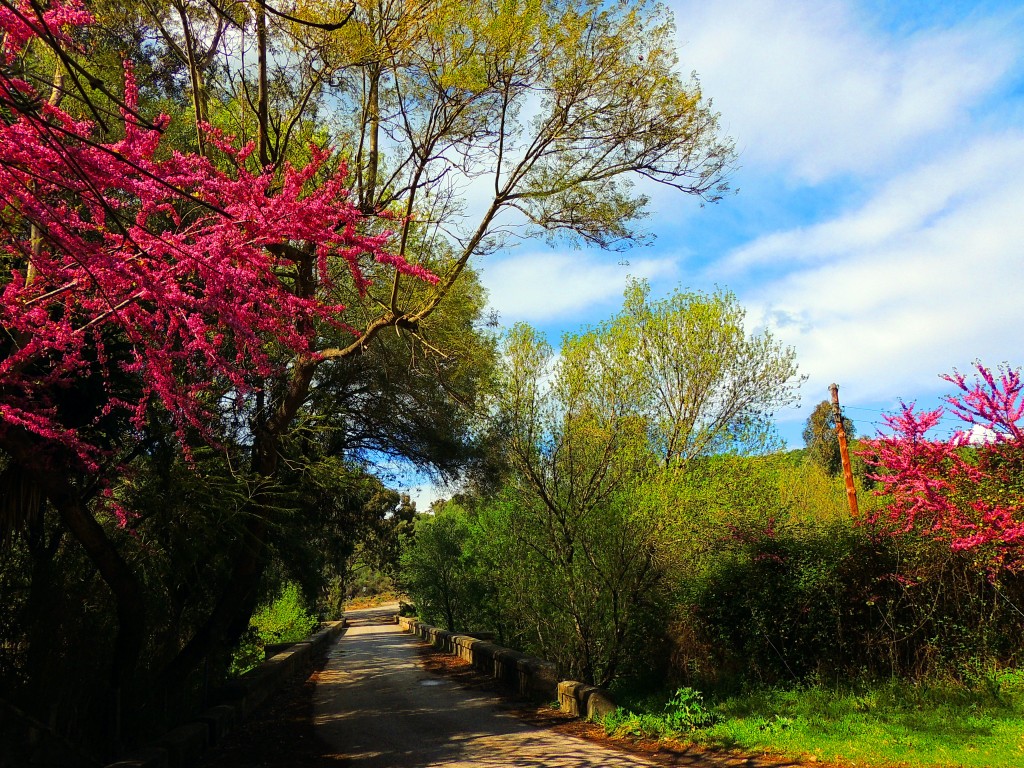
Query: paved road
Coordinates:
[377,706]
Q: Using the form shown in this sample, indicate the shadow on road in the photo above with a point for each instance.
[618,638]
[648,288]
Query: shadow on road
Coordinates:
[377,706]
[374,704]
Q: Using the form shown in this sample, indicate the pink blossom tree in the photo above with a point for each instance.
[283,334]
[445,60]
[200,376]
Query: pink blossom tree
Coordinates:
[966,490]
[163,282]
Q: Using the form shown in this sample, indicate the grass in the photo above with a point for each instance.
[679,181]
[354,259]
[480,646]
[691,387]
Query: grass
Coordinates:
[880,724]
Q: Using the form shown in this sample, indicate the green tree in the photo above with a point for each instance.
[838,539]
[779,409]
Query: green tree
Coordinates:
[669,380]
[336,521]
[438,570]
[588,435]
[704,384]
[821,440]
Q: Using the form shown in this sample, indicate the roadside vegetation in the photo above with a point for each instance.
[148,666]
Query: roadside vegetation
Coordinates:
[889,722]
[640,528]
[286,619]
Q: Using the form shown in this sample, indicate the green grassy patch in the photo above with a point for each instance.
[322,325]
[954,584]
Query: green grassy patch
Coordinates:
[880,724]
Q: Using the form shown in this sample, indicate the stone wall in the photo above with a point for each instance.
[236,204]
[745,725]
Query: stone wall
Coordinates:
[183,746]
[529,677]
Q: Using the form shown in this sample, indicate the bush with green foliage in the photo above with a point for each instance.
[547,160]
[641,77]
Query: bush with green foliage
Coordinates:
[774,583]
[580,590]
[685,711]
[782,602]
[438,570]
[286,619]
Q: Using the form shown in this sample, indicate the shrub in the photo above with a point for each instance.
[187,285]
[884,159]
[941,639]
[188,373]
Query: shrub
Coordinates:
[439,572]
[787,604]
[286,619]
[685,711]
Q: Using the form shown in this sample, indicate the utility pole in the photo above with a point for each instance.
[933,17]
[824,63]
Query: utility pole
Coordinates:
[844,451]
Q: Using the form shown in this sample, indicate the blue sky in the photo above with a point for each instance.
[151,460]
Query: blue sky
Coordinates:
[878,226]
[879,221]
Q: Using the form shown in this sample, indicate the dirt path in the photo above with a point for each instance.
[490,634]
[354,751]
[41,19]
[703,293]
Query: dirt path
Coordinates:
[377,706]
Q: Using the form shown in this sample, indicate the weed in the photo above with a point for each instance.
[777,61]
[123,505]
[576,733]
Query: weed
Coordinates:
[686,711]
[683,713]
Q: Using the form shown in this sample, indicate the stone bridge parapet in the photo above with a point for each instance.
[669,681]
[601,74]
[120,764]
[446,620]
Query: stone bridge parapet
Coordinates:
[184,745]
[530,677]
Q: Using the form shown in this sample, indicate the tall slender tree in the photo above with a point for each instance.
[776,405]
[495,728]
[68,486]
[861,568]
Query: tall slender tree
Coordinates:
[820,437]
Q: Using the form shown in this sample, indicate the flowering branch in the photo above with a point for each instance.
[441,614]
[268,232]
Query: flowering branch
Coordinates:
[968,494]
[165,302]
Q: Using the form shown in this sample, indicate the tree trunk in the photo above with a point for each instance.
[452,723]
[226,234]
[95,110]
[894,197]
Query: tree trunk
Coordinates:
[230,616]
[124,585]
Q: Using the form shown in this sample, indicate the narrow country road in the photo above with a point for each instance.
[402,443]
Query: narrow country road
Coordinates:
[377,706]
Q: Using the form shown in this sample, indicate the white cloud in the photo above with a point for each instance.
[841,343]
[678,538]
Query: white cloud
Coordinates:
[923,270]
[979,435]
[810,89]
[900,209]
[886,298]
[425,494]
[543,286]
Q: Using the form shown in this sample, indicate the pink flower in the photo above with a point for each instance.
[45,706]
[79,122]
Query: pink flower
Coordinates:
[968,495]
[169,274]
